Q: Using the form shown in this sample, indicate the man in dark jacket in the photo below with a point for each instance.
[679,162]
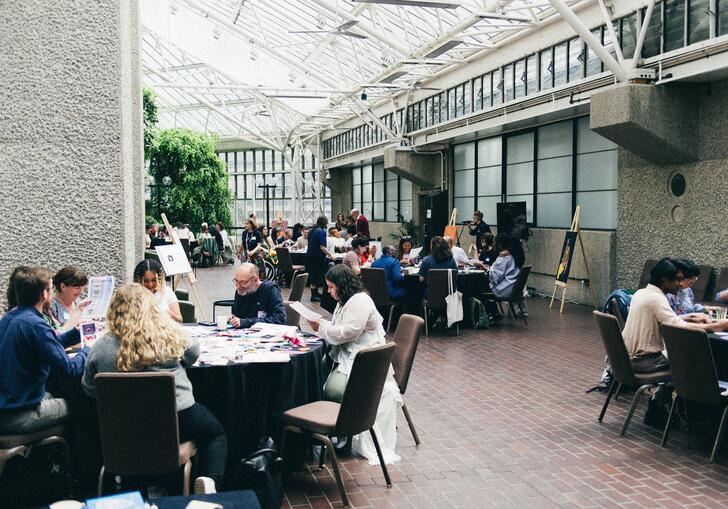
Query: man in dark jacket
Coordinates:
[256,301]
[478,228]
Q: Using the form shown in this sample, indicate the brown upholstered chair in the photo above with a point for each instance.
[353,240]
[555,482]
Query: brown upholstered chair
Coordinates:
[292,316]
[21,444]
[298,286]
[622,367]
[618,313]
[693,374]
[437,290]
[138,426]
[406,339]
[721,284]
[515,299]
[355,414]
[375,283]
[285,264]
[188,311]
[645,276]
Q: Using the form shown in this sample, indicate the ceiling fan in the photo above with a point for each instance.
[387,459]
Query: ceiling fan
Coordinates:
[342,29]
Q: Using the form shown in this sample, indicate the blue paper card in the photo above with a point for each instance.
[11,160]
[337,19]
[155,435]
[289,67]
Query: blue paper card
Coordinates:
[131,500]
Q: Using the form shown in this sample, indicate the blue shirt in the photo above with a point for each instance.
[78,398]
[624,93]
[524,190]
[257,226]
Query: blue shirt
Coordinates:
[393,275]
[262,306]
[29,350]
[316,239]
[503,274]
[684,302]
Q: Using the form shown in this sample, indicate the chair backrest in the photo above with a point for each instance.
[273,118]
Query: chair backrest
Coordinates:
[138,422]
[691,363]
[364,390]
[185,246]
[375,282]
[292,316]
[722,283]
[188,311]
[437,287]
[614,345]
[285,264]
[645,277]
[617,312]
[182,294]
[298,285]
[406,339]
[704,284]
[520,284]
[209,246]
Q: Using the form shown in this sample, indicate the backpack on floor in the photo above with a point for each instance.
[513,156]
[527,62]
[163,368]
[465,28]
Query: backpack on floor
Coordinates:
[478,314]
[261,472]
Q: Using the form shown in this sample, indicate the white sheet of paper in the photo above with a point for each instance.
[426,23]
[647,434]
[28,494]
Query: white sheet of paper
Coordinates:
[267,357]
[415,252]
[306,313]
[273,328]
[173,258]
[100,289]
[378,245]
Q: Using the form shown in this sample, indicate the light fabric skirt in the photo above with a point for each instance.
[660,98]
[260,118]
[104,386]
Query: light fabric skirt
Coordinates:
[385,424]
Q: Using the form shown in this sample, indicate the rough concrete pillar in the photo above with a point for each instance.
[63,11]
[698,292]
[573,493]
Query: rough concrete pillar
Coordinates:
[71,157]
[339,182]
[422,169]
[657,123]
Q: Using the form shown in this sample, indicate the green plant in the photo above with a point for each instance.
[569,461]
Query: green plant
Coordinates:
[151,117]
[191,184]
[407,228]
[149,220]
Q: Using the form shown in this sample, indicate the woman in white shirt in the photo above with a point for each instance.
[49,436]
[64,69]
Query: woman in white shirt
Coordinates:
[356,325]
[150,274]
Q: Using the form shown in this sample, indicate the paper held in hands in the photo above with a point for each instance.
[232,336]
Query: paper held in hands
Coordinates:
[308,314]
[100,290]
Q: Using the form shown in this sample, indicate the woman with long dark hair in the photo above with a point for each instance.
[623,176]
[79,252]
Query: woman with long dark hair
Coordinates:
[440,257]
[355,325]
[150,274]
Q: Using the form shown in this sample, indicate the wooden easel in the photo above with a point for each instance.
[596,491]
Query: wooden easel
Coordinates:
[564,285]
[190,275]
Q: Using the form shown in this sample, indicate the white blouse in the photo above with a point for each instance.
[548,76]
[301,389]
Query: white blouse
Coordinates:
[354,326]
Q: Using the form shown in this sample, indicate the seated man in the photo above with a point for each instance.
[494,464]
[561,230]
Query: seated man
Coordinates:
[650,309]
[458,253]
[256,301]
[29,350]
[392,272]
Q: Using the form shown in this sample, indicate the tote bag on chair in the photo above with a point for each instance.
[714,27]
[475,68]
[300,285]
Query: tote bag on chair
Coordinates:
[454,302]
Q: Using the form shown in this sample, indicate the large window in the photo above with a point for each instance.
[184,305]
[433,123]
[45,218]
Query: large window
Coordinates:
[552,168]
[380,195]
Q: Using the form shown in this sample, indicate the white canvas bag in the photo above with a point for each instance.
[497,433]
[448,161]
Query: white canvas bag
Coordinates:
[454,302]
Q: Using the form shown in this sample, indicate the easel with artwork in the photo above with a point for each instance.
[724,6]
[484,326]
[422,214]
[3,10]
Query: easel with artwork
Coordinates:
[567,255]
[188,276]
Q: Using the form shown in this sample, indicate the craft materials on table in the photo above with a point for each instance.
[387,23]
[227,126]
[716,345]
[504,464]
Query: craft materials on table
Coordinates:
[267,343]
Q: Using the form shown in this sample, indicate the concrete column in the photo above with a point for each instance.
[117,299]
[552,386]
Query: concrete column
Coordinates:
[340,185]
[71,158]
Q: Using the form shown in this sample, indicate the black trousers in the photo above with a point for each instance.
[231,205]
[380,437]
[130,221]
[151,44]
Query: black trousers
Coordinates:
[197,424]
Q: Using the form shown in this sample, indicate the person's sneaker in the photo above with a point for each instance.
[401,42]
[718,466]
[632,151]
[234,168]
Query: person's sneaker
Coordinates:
[204,485]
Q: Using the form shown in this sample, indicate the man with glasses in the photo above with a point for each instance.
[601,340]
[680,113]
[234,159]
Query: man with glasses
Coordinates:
[256,301]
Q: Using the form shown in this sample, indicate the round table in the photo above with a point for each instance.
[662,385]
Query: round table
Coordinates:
[470,284]
[249,399]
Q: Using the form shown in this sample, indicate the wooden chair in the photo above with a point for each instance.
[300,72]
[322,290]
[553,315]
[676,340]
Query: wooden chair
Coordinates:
[355,414]
[375,282]
[22,443]
[621,366]
[285,264]
[188,311]
[437,290]
[406,339]
[138,426]
[693,375]
[515,299]
[298,286]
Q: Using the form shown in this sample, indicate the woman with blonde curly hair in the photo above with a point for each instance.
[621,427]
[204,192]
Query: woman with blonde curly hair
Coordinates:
[141,337]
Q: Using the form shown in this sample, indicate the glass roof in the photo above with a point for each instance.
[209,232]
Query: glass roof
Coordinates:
[273,70]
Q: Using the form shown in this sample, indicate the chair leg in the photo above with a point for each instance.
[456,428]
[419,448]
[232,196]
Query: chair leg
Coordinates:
[381,458]
[636,398]
[389,321]
[667,424]
[616,394]
[322,457]
[6,454]
[214,308]
[186,479]
[457,327]
[100,487]
[719,436]
[410,423]
[424,315]
[67,457]
[335,464]
[612,390]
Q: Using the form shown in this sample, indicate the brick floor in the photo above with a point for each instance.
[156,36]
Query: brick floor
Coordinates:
[505,422]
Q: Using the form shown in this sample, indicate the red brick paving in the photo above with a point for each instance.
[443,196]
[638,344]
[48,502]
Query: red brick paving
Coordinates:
[505,422]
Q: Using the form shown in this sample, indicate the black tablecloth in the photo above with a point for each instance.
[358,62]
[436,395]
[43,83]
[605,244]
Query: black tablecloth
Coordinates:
[229,500]
[470,284]
[249,399]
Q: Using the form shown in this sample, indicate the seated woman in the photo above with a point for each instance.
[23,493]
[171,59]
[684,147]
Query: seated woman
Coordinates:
[403,251]
[353,259]
[440,257]
[69,283]
[504,271]
[141,338]
[683,303]
[150,274]
[357,324]
[487,254]
[392,272]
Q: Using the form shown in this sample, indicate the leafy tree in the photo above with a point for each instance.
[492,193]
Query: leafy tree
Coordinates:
[151,118]
[191,181]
